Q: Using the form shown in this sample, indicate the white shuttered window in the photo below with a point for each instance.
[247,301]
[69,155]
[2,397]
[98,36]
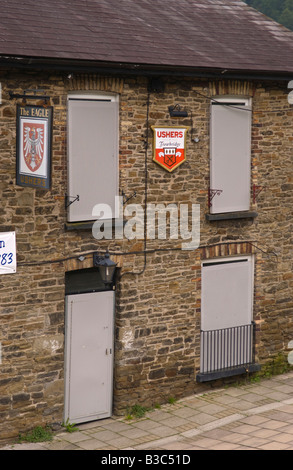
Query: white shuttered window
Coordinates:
[227,313]
[227,292]
[230,155]
[92,154]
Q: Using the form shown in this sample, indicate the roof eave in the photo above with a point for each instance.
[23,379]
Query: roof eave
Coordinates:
[149,70]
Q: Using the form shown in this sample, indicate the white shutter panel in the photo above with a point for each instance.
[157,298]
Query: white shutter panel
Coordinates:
[230,156]
[227,293]
[93,156]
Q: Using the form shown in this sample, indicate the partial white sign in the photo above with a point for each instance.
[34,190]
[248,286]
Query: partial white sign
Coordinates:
[7,253]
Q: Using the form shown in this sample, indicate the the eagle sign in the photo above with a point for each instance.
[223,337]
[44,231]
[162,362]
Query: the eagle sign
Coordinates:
[33,146]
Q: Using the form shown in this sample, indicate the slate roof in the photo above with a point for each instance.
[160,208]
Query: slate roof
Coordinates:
[191,34]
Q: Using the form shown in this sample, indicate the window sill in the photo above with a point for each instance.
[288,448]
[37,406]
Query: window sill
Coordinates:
[220,374]
[232,216]
[88,224]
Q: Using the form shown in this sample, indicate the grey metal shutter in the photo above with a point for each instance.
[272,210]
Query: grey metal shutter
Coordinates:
[227,292]
[230,156]
[92,156]
[226,317]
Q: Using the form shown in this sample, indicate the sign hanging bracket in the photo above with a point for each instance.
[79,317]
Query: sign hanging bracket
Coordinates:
[30,95]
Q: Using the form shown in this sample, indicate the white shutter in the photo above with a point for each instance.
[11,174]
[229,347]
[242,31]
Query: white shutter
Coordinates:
[227,306]
[230,155]
[92,156]
[227,293]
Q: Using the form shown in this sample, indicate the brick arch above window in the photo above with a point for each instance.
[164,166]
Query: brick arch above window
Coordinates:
[232,88]
[227,249]
[94,82]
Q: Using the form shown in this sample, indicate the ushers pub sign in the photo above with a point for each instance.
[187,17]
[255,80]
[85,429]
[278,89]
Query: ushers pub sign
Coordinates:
[169,146]
[33,149]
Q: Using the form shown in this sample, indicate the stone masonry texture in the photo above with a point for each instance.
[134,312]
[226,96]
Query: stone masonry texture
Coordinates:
[158,312]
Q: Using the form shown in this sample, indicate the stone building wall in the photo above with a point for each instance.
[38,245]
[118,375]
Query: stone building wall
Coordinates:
[157,317]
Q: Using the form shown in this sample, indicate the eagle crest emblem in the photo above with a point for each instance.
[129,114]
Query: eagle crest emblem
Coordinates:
[33,145]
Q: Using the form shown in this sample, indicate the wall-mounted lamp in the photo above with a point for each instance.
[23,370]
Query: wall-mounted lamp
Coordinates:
[106,267]
[177,111]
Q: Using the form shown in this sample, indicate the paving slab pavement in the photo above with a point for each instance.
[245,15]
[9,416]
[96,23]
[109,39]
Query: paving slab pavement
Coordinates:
[254,416]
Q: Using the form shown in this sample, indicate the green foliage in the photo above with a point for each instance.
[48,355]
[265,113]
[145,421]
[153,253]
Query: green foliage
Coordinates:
[38,434]
[70,427]
[136,411]
[279,10]
[172,400]
[277,365]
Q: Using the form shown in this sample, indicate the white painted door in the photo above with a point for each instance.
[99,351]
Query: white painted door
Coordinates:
[89,356]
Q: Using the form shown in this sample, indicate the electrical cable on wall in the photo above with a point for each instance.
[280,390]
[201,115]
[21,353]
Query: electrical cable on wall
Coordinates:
[145,252]
[236,107]
[146,191]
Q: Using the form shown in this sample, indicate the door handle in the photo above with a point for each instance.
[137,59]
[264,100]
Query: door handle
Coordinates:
[108,351]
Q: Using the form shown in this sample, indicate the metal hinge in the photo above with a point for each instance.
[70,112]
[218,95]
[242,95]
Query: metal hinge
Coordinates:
[256,190]
[212,193]
[68,202]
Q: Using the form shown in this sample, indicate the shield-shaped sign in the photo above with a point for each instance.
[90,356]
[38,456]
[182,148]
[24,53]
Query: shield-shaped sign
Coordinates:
[169,146]
[33,144]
